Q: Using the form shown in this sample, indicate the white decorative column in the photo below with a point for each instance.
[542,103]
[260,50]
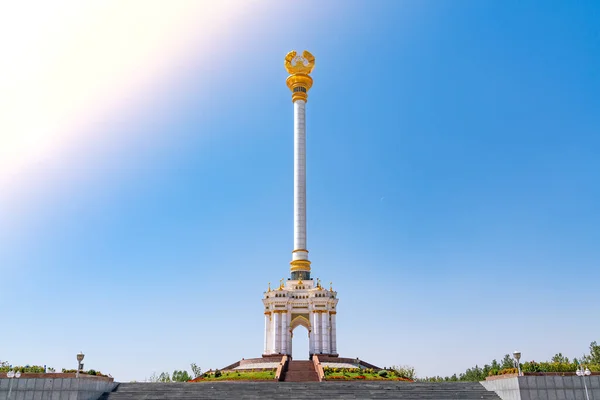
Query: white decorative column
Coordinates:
[325,317]
[316,332]
[300,252]
[333,334]
[311,340]
[299,82]
[267,331]
[276,333]
[284,333]
[290,335]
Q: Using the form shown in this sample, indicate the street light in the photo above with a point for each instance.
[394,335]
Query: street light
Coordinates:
[583,373]
[80,357]
[517,356]
[12,374]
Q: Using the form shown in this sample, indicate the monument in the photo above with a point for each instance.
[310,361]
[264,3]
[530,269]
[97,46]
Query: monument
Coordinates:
[300,301]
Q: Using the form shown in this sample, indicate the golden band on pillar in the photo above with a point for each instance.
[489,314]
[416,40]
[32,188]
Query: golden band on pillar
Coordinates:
[300,265]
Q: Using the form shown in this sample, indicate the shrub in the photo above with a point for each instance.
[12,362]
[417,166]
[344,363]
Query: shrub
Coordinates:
[217,373]
[558,367]
[36,369]
[506,371]
[531,366]
[90,372]
[383,373]
[405,371]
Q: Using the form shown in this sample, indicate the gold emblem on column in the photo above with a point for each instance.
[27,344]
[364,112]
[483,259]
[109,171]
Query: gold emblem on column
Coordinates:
[299,66]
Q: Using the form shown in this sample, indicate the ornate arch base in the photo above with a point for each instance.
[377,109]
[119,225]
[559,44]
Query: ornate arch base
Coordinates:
[300,303]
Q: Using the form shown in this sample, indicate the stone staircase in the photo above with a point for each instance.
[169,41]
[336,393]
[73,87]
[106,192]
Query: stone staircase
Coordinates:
[301,390]
[300,371]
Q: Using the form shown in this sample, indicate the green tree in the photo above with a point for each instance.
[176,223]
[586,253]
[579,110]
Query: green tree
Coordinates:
[559,358]
[164,377]
[473,374]
[196,370]
[594,357]
[181,376]
[507,362]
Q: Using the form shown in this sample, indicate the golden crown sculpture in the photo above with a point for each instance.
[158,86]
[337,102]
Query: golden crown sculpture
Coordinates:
[296,64]
[299,82]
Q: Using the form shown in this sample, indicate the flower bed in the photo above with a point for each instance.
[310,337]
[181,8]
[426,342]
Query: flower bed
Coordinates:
[369,374]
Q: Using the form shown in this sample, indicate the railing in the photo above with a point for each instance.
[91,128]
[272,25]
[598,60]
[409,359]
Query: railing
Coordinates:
[281,368]
[318,367]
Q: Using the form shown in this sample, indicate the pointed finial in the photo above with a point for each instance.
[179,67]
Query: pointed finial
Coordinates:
[269,287]
[331,286]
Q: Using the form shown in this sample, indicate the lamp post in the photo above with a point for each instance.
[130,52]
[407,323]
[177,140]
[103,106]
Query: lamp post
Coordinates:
[80,357]
[583,373]
[10,375]
[517,356]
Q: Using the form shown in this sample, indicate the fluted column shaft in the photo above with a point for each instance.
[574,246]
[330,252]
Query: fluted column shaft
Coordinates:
[267,330]
[276,332]
[333,335]
[300,181]
[325,317]
[284,333]
[317,332]
[311,339]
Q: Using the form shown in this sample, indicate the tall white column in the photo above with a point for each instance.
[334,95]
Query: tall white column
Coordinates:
[300,252]
[290,338]
[284,333]
[316,332]
[333,335]
[325,317]
[267,323]
[311,339]
[276,333]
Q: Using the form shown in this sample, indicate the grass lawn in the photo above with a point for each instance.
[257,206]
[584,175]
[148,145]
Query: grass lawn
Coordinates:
[241,376]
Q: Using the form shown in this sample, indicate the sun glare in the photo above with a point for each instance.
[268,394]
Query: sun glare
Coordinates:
[65,62]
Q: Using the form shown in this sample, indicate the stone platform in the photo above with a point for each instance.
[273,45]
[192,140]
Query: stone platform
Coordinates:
[305,390]
[54,386]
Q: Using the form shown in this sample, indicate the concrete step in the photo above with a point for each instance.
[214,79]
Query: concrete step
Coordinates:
[301,390]
[300,371]
[301,376]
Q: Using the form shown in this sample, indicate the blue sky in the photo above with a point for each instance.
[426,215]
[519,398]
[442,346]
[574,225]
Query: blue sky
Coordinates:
[453,193]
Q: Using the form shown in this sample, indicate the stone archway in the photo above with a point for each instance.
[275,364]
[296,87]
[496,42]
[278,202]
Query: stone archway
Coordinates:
[300,320]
